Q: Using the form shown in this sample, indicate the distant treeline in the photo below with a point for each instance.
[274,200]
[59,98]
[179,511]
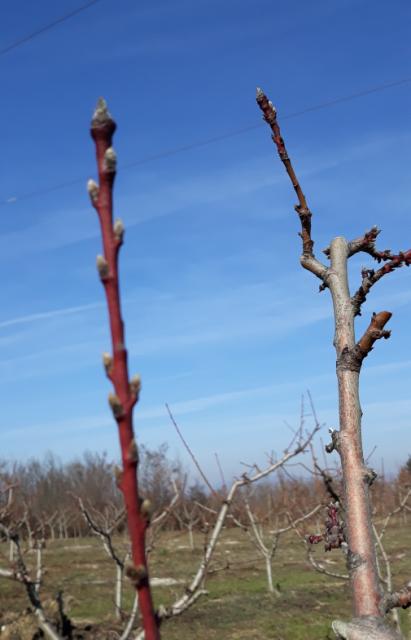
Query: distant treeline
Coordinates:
[44,493]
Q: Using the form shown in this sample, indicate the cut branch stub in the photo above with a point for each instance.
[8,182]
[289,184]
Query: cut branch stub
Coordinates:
[351,359]
[375,331]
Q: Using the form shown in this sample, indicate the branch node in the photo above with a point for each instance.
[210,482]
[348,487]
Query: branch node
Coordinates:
[335,441]
[132,452]
[118,230]
[107,363]
[136,574]
[93,191]
[116,406]
[369,476]
[102,268]
[110,160]
[354,560]
[135,387]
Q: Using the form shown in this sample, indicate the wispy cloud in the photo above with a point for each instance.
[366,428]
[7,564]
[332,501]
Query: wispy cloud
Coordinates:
[47,315]
[152,195]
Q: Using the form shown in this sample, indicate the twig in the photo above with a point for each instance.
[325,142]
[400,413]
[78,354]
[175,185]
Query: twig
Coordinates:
[190,451]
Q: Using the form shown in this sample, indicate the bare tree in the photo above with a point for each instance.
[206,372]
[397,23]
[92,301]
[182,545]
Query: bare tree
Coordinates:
[195,589]
[126,391]
[19,571]
[267,545]
[369,600]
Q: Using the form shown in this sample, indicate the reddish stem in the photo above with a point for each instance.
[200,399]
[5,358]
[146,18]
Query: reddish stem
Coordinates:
[102,130]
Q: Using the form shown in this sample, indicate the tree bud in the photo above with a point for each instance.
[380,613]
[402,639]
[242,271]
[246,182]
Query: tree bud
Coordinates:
[107,362]
[116,406]
[102,267]
[110,160]
[101,114]
[135,386]
[118,474]
[137,574]
[146,508]
[132,453]
[118,229]
[93,190]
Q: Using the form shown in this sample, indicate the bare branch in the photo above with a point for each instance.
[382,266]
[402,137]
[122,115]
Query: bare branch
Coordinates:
[371,277]
[189,450]
[194,589]
[308,260]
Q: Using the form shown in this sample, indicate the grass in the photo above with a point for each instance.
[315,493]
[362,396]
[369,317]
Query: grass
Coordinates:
[237,606]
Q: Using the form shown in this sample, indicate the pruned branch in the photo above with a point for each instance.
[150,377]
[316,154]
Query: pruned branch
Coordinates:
[308,259]
[370,277]
[401,598]
[367,596]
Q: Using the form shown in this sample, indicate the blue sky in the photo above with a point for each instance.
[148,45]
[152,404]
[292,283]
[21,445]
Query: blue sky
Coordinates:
[222,322]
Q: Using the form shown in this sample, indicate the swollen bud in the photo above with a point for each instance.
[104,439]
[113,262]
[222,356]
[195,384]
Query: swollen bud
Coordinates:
[137,574]
[107,362]
[135,386]
[101,115]
[132,452]
[116,406]
[92,188]
[110,160]
[102,267]
[118,230]
[260,93]
[146,508]
[118,474]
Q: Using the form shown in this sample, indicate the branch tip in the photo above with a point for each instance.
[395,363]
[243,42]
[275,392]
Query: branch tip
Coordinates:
[101,115]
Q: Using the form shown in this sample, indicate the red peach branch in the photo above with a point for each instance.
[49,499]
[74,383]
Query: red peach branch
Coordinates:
[126,391]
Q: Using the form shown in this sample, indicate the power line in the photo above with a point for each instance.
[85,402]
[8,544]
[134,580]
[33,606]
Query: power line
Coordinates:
[223,136]
[46,27]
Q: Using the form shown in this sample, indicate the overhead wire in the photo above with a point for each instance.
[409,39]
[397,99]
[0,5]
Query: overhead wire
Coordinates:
[46,27]
[212,140]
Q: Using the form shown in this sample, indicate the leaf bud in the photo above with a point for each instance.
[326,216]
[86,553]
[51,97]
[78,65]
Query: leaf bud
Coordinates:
[135,386]
[132,453]
[118,230]
[102,267]
[93,190]
[137,574]
[110,160]
[146,508]
[101,115]
[107,362]
[116,406]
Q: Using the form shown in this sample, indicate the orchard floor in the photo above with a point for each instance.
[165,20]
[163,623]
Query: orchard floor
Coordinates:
[237,606]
